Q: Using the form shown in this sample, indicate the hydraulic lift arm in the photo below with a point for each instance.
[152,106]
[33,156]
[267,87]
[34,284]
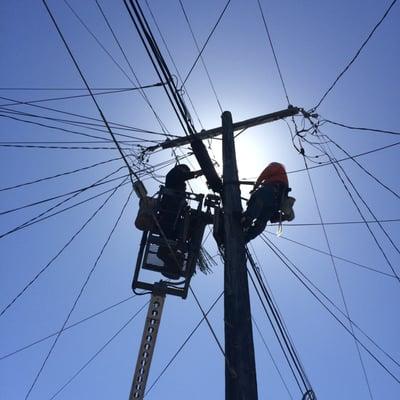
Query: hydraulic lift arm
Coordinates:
[147,345]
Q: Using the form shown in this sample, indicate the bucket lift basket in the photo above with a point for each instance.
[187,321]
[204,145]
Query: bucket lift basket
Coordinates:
[182,251]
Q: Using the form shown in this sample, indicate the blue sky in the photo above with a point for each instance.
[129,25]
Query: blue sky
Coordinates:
[314,41]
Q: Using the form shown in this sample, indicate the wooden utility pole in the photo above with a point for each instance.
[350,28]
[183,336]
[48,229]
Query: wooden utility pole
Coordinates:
[240,370]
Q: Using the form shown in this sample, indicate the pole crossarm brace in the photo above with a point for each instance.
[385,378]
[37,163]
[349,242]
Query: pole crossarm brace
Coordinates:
[237,126]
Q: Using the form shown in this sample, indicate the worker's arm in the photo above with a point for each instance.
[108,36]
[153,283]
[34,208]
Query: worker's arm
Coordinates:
[195,174]
[260,179]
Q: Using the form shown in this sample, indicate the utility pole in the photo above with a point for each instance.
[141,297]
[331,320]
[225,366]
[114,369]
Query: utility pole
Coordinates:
[240,369]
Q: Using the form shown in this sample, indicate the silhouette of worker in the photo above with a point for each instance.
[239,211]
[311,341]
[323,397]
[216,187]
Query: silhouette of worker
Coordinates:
[270,188]
[172,205]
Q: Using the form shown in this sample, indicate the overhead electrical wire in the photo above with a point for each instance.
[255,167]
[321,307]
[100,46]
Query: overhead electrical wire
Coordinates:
[100,350]
[328,121]
[131,171]
[78,96]
[173,62]
[356,55]
[205,43]
[273,51]
[204,317]
[298,275]
[49,263]
[279,328]
[67,327]
[142,92]
[334,256]
[46,217]
[338,280]
[365,169]
[143,29]
[80,293]
[101,181]
[143,176]
[47,178]
[201,57]
[115,125]
[272,358]
[362,216]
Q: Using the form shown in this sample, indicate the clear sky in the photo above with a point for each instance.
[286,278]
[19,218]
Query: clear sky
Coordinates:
[314,41]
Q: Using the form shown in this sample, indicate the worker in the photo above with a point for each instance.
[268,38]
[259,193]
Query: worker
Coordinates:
[172,204]
[264,205]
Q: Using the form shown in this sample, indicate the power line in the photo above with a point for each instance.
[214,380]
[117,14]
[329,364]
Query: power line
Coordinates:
[272,358]
[131,172]
[142,92]
[78,96]
[33,280]
[74,171]
[334,256]
[342,222]
[115,125]
[37,219]
[82,289]
[279,328]
[339,160]
[205,43]
[160,66]
[356,128]
[204,317]
[44,147]
[97,183]
[338,279]
[362,216]
[91,359]
[356,54]
[81,321]
[365,170]
[297,274]
[26,224]
[201,57]
[273,51]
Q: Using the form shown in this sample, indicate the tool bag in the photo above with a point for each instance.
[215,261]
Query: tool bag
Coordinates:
[145,218]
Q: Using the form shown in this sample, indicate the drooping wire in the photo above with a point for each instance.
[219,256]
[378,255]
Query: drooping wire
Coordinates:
[356,54]
[80,293]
